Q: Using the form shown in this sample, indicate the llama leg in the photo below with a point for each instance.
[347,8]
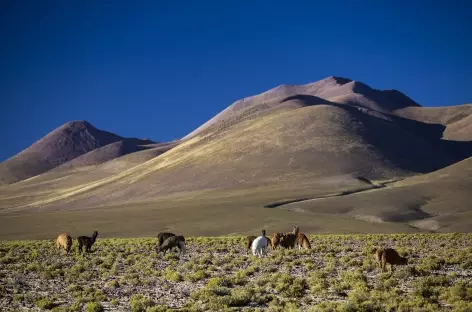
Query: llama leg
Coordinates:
[384,264]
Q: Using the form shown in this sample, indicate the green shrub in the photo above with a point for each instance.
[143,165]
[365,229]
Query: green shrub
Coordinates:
[93,307]
[139,303]
[45,303]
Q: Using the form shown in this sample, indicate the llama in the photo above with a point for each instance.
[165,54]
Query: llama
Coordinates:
[286,240]
[275,240]
[65,241]
[87,242]
[302,241]
[259,245]
[171,242]
[162,236]
[390,256]
[249,240]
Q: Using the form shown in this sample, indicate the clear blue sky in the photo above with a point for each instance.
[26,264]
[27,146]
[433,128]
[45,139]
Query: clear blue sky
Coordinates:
[159,69]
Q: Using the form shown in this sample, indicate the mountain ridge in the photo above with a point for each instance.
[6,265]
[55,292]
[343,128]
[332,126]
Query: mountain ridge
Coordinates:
[326,88]
[333,136]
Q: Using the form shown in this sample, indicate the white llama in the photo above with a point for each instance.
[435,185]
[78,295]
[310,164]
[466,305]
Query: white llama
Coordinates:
[259,245]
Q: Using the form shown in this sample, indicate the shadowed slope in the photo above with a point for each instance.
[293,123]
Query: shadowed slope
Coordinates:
[67,176]
[435,201]
[60,146]
[457,120]
[109,152]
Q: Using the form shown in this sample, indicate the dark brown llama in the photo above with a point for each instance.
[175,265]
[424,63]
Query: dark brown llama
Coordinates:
[162,236]
[87,242]
[171,242]
[286,240]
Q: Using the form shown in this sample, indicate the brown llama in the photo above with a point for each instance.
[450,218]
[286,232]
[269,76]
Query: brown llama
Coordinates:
[286,240]
[302,241]
[87,242]
[249,240]
[171,242]
[64,241]
[385,256]
[275,240]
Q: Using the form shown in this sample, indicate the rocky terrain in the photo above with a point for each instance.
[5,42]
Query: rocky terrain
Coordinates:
[216,273]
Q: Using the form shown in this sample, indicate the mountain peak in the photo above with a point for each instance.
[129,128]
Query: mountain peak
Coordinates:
[77,124]
[63,144]
[337,79]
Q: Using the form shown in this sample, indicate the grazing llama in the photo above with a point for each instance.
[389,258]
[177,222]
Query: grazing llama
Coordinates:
[162,236]
[64,241]
[87,242]
[390,256]
[302,241]
[171,242]
[259,245]
[286,240]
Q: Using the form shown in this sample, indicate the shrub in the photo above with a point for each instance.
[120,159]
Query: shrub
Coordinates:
[93,307]
[139,303]
[45,303]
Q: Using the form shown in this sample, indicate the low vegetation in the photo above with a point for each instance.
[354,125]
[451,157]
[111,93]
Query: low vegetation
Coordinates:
[338,273]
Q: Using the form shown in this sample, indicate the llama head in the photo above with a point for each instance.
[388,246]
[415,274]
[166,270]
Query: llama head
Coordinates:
[263,232]
[403,260]
[295,229]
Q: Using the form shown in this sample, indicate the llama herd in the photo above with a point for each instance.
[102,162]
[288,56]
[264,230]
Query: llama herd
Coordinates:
[258,246]
[166,241]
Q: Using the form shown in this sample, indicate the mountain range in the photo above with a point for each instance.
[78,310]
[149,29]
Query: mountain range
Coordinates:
[331,156]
